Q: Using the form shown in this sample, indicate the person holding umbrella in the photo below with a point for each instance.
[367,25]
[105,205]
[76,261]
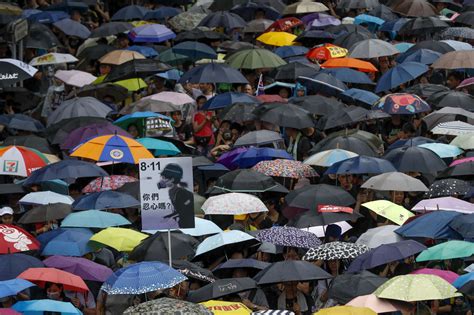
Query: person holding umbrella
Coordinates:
[298,144]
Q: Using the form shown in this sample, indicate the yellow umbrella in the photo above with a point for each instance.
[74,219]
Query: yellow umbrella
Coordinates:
[346,310]
[99,79]
[123,240]
[140,23]
[277,38]
[387,209]
[132,85]
[117,57]
[224,308]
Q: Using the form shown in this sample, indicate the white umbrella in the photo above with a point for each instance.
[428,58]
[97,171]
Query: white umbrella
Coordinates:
[233,204]
[305,6]
[75,77]
[380,235]
[394,181]
[45,198]
[453,128]
[329,157]
[53,59]
[202,227]
[372,48]
[320,231]
[465,141]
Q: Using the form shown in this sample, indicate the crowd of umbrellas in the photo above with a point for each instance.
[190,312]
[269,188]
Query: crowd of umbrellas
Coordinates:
[332,153]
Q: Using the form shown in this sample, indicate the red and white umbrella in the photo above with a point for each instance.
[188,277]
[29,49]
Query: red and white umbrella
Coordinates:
[20,161]
[112,182]
[14,240]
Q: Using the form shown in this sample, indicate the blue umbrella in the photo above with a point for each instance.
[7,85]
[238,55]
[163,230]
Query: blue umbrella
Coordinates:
[173,74]
[443,150]
[348,75]
[247,10]
[13,286]
[254,155]
[105,200]
[72,28]
[131,12]
[40,306]
[433,225]
[290,51]
[372,22]
[227,240]
[72,242]
[224,19]
[148,52]
[425,56]
[151,33]
[400,74]
[415,141]
[361,165]
[67,170]
[13,264]
[159,147]
[162,13]
[48,17]
[403,47]
[357,95]
[393,26]
[29,12]
[213,73]
[226,99]
[141,278]
[44,238]
[68,6]
[94,219]
[202,227]
[462,280]
[195,50]
[323,83]
[401,104]
[385,254]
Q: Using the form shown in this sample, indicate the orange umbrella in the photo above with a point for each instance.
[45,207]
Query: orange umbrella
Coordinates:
[40,276]
[360,65]
[327,51]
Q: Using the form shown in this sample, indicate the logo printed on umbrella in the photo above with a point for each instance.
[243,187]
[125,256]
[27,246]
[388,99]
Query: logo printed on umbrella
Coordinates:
[8,76]
[116,154]
[13,235]
[10,166]
[227,287]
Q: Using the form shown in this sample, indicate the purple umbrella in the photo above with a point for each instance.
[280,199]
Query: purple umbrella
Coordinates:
[444,203]
[151,33]
[288,236]
[84,268]
[83,134]
[319,20]
[227,158]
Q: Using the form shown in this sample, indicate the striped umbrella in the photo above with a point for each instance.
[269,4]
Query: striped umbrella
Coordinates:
[453,128]
[20,161]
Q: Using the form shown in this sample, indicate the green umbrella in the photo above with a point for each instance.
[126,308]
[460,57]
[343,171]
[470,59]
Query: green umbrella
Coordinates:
[159,147]
[254,59]
[419,287]
[447,250]
[170,57]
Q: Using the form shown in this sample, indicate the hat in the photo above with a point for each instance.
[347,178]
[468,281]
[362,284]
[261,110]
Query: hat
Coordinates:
[333,230]
[173,171]
[5,210]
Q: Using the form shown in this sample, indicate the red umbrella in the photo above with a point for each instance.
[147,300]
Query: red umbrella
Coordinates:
[112,182]
[40,276]
[283,25]
[271,98]
[14,240]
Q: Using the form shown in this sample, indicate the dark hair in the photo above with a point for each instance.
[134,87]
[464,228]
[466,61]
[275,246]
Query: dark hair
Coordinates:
[456,75]
[408,128]
[200,97]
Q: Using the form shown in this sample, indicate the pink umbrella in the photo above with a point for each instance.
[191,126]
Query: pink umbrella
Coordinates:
[444,203]
[466,83]
[171,97]
[8,311]
[445,274]
[112,182]
[378,305]
[75,77]
[460,161]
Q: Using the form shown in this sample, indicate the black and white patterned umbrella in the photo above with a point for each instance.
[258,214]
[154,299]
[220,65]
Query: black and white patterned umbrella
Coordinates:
[335,250]
[448,187]
[288,236]
[13,71]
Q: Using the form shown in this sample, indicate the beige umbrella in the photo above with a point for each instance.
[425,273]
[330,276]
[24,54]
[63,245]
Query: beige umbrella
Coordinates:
[378,305]
[463,59]
[117,57]
[305,6]
[415,8]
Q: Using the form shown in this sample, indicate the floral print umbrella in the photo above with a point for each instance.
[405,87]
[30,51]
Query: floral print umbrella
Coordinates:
[335,250]
[167,306]
[285,168]
[288,236]
[112,182]
[233,204]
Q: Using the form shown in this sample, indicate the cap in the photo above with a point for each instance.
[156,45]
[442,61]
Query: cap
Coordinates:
[5,210]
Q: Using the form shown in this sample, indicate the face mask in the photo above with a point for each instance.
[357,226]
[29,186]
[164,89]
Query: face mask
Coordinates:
[53,295]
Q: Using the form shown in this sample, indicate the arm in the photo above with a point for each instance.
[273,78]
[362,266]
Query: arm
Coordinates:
[198,126]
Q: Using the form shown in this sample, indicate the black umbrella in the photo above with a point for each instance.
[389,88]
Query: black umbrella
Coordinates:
[247,10]
[245,180]
[415,159]
[423,25]
[193,271]
[466,18]
[223,19]
[346,28]
[346,117]
[311,38]
[357,4]
[464,225]
[383,12]
[31,141]
[248,263]
[323,83]
[426,90]
[347,286]
[435,45]
[220,288]
[201,161]
[46,213]
[225,5]
[318,104]
[129,13]
[460,170]
[40,36]
[21,122]
[311,196]
[14,71]
[131,188]
[312,218]
[137,68]
[10,189]
[290,270]
[347,40]
[231,46]
[349,143]
[213,73]
[103,91]
[452,99]
[23,99]
[259,138]
[156,247]
[448,187]
[106,199]
[111,28]
[95,52]
[287,115]
[238,112]
[198,34]
[195,50]
[291,71]
[58,132]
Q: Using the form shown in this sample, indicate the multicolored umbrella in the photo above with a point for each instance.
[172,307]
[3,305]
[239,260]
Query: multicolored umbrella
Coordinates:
[20,161]
[326,52]
[335,250]
[288,236]
[233,204]
[41,276]
[112,148]
[285,168]
[402,104]
[389,210]
[178,307]
[283,25]
[111,182]
[16,240]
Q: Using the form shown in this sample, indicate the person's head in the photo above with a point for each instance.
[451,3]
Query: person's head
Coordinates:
[454,79]
[247,89]
[6,215]
[291,132]
[122,41]
[236,129]
[397,197]
[333,266]
[384,63]
[291,253]
[76,16]
[132,129]
[345,180]
[200,101]
[224,126]
[177,116]
[263,256]
[333,233]
[74,190]
[284,93]
[171,175]
[408,130]
[54,291]
[206,88]
[104,69]
[259,14]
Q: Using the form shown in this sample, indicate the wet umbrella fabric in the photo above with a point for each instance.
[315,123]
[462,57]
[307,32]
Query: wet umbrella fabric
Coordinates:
[290,270]
[213,73]
[14,71]
[156,247]
[105,200]
[415,159]
[335,250]
[448,187]
[12,265]
[310,196]
[347,286]
[433,225]
[220,288]
[288,236]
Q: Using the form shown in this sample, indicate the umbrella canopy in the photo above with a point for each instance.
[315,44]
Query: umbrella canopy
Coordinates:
[46,213]
[372,48]
[415,8]
[444,203]
[293,70]
[254,155]
[217,307]
[290,270]
[285,168]
[67,243]
[195,50]
[447,275]
[75,77]
[329,157]
[151,33]
[224,19]
[15,71]
[21,122]
[311,196]
[453,128]
[394,181]
[257,138]
[20,161]
[378,236]
[213,73]
[245,181]
[226,99]
[12,265]
[448,187]
[131,12]
[361,165]
[455,60]
[44,198]
[84,268]
[16,240]
[423,25]
[121,239]
[447,250]
[158,305]
[78,107]
[40,276]
[412,288]
[83,134]
[105,200]
[400,74]
[118,57]
[303,7]
[463,225]
[347,286]
[377,305]
[141,278]
[27,307]
[288,236]
[223,242]
[335,250]
[13,286]
[111,28]
[221,288]
[357,64]
[233,204]
[425,56]
[393,212]
[285,115]
[426,161]
[277,39]
[72,28]
[453,100]
[385,254]
[433,225]
[284,25]
[94,219]
[447,114]
[257,26]
[254,59]
[54,58]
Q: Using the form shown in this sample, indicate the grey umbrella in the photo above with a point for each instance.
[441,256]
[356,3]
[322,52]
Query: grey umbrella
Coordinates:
[347,40]
[452,99]
[349,285]
[394,181]
[257,138]
[447,114]
[290,270]
[79,107]
[372,48]
[111,28]
[357,4]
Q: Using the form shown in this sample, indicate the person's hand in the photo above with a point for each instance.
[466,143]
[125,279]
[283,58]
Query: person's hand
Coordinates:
[75,301]
[248,303]
[296,308]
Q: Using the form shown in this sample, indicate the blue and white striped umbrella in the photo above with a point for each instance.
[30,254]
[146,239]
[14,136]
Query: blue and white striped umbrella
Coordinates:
[141,278]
